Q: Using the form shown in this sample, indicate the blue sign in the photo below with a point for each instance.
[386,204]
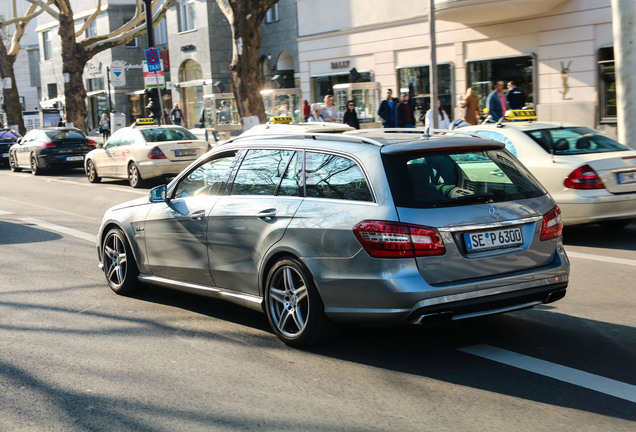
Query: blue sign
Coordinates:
[152,60]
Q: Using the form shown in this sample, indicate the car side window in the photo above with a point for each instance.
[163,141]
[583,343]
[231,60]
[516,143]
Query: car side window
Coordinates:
[207,178]
[261,172]
[335,177]
[499,137]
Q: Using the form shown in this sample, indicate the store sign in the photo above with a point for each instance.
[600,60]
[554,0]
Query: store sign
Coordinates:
[340,64]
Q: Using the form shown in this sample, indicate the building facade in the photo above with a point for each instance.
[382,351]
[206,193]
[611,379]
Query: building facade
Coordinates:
[558,51]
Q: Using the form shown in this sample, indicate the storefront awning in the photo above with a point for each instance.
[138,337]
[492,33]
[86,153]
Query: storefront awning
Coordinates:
[50,103]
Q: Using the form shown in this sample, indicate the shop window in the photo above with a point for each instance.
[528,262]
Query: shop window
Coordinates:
[607,85]
[415,82]
[323,85]
[482,75]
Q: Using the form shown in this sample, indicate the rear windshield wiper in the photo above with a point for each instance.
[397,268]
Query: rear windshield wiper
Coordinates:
[475,198]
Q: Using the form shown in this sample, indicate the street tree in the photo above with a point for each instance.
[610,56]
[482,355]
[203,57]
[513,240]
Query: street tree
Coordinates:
[8,56]
[76,53]
[245,18]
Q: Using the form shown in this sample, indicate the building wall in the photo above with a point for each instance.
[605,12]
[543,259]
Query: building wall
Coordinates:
[383,38]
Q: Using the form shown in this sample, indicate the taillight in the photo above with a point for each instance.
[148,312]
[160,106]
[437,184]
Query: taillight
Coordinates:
[583,177]
[382,239]
[47,144]
[156,153]
[552,226]
[92,143]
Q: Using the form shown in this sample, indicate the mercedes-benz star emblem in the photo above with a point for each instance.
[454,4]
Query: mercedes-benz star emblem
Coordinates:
[494,212]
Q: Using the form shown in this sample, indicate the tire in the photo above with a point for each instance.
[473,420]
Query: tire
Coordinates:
[35,169]
[134,178]
[91,172]
[120,267]
[13,164]
[293,306]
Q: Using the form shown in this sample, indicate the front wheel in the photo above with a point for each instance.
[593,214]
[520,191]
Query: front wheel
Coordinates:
[134,178]
[13,164]
[91,172]
[294,308]
[119,263]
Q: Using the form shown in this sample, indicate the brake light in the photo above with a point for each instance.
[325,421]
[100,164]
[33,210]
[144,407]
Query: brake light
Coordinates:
[583,177]
[156,153]
[47,144]
[92,143]
[552,226]
[382,239]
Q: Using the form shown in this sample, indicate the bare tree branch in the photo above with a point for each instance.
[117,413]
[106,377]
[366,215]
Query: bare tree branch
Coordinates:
[90,19]
[46,7]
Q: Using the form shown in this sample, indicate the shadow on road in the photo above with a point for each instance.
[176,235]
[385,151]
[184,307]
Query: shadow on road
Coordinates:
[598,237]
[11,233]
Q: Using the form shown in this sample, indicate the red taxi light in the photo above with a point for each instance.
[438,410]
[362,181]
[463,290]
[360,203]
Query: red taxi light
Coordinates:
[552,226]
[156,153]
[382,239]
[47,144]
[583,177]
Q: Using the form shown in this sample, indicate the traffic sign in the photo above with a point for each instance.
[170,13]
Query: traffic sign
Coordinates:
[118,74]
[152,60]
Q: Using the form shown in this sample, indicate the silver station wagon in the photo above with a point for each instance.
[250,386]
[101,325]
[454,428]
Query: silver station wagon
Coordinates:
[318,230]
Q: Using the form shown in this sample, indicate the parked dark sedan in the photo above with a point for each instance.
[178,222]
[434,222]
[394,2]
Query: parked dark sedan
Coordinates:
[42,149]
[8,137]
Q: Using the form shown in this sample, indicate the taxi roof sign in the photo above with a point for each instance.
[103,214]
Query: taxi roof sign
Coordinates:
[144,121]
[521,114]
[281,119]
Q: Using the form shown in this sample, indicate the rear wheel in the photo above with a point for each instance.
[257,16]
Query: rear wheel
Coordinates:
[13,164]
[120,267]
[91,172]
[293,305]
[35,169]
[134,178]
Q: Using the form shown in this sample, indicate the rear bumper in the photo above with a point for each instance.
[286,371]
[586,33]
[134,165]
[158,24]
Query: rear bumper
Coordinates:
[161,167]
[59,161]
[589,209]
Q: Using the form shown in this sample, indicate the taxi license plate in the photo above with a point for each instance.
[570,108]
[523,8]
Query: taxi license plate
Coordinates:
[189,152]
[74,158]
[626,177]
[487,240]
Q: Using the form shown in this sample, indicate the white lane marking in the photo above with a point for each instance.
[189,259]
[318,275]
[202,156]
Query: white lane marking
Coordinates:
[2,212]
[76,183]
[61,229]
[130,190]
[562,373]
[602,258]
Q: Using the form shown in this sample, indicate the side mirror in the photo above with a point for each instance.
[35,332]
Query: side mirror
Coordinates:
[101,145]
[158,194]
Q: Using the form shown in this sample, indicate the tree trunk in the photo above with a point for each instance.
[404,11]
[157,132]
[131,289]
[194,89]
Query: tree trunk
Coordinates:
[74,60]
[11,104]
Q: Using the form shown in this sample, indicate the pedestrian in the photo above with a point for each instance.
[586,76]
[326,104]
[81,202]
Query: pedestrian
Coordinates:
[514,96]
[443,122]
[61,123]
[316,113]
[386,110]
[104,126]
[496,102]
[306,111]
[404,117]
[471,105]
[350,116]
[329,110]
[176,116]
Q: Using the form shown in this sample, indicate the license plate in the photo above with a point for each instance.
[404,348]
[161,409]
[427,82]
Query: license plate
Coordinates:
[74,158]
[189,152]
[626,177]
[487,240]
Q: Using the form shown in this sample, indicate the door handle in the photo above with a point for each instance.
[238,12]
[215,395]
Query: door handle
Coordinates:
[266,215]
[197,215]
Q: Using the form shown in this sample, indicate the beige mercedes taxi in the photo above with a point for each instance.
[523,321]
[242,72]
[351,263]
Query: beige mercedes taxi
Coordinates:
[143,151]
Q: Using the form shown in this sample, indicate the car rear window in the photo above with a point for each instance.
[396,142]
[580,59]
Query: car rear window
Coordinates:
[448,178]
[574,140]
[8,134]
[167,134]
[65,134]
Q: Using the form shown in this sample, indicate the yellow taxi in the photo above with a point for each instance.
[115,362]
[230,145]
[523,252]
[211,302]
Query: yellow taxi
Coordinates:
[143,151]
[285,124]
